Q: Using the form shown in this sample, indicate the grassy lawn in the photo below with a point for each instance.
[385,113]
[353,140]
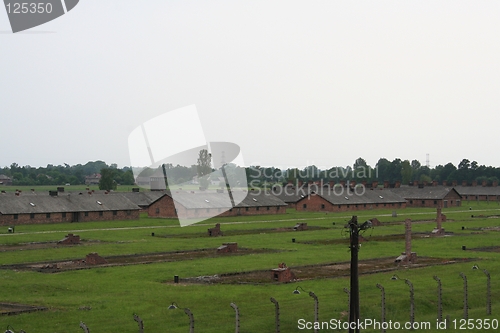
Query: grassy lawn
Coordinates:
[106,298]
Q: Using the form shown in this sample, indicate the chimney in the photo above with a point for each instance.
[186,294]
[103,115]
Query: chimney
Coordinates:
[332,183]
[301,183]
[386,184]
[408,238]
[364,183]
[445,183]
[352,183]
[438,219]
[495,183]
[434,183]
[474,183]
[342,182]
[397,184]
[426,182]
[484,183]
[290,182]
[415,183]
[374,184]
[464,183]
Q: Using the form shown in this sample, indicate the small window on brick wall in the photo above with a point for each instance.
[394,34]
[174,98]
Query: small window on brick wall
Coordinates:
[86,214]
[129,212]
[63,215]
[101,213]
[115,213]
[322,206]
[304,206]
[157,211]
[32,216]
[16,216]
[47,215]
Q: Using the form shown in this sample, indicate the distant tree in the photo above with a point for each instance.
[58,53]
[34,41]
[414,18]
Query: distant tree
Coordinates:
[406,172]
[128,178]
[204,168]
[107,181]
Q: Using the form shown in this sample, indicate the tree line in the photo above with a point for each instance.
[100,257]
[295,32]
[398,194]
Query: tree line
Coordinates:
[404,171]
[65,174]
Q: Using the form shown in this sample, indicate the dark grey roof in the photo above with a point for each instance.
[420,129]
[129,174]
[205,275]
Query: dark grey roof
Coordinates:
[478,190]
[342,196]
[426,192]
[26,204]
[210,199]
[258,198]
[4,177]
[290,193]
[143,199]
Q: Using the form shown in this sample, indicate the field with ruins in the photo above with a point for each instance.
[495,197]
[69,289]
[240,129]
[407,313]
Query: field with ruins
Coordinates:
[56,291]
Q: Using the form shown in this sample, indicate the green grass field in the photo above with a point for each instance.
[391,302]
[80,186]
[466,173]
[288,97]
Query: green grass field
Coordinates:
[114,294]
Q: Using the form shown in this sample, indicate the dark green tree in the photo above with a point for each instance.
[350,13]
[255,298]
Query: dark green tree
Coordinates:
[204,168]
[107,181]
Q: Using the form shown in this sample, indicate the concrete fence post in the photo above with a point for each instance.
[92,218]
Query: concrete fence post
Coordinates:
[412,302]
[382,305]
[348,292]
[440,299]
[191,320]
[235,307]
[277,314]
[316,309]
[84,327]
[139,322]
[466,302]
[488,292]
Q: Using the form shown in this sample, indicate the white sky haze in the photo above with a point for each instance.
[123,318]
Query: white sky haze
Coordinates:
[291,82]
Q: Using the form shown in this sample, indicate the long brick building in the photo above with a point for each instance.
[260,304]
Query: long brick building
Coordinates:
[208,203]
[18,208]
[341,199]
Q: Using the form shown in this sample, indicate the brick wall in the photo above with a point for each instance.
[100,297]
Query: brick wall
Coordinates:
[19,219]
[165,207]
[315,203]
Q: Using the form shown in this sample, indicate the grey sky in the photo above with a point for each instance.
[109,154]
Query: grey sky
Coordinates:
[292,83]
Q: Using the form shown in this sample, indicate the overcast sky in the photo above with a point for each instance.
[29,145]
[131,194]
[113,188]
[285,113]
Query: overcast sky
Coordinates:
[291,82]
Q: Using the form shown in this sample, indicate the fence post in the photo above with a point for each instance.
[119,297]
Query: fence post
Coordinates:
[412,302]
[488,292]
[235,307]
[316,309]
[139,322]
[84,327]
[466,303]
[191,320]
[440,300]
[348,292]
[277,315]
[382,305]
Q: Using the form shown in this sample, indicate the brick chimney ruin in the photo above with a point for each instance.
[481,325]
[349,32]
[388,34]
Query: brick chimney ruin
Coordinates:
[70,239]
[439,218]
[407,257]
[215,231]
[282,273]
